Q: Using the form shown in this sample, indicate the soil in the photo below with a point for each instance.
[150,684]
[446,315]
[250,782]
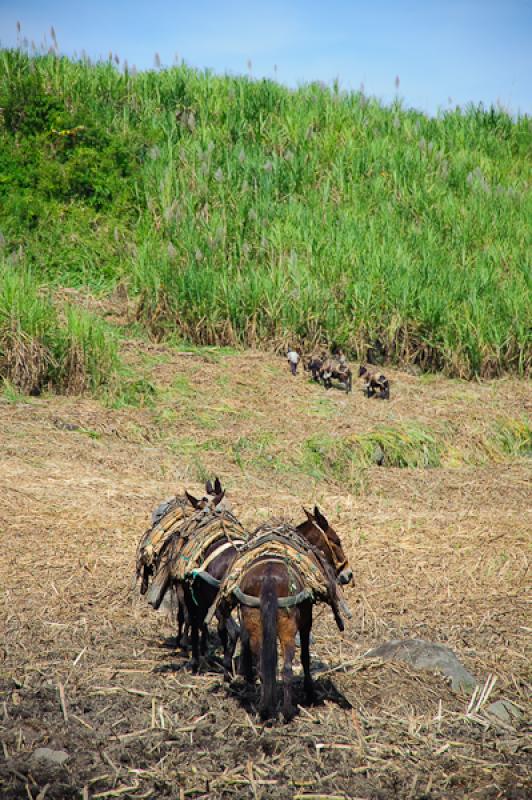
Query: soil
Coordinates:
[439,554]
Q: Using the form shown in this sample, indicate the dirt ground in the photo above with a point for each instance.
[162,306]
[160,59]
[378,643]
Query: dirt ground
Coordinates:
[440,554]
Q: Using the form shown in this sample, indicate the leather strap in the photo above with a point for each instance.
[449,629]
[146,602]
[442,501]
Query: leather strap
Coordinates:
[282,602]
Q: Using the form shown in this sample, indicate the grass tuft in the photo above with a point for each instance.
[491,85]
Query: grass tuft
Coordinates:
[513,437]
[344,459]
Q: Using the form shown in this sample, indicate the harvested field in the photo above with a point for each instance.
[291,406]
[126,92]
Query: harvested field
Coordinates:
[438,553]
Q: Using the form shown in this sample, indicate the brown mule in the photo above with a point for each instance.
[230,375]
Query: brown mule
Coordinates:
[275,601]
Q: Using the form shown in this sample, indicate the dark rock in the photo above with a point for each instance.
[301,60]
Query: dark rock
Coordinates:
[505,710]
[66,426]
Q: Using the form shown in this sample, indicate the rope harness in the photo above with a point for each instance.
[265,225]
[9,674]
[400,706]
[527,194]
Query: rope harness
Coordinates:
[283,602]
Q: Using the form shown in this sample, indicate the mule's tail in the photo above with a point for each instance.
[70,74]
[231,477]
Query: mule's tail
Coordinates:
[268,615]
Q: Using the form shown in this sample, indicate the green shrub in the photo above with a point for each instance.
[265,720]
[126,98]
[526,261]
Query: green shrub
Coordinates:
[39,348]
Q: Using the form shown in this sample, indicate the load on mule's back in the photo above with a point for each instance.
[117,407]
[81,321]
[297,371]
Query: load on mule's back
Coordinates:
[275,580]
[166,519]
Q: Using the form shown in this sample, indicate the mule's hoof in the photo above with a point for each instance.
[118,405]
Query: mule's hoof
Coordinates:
[266,714]
[289,713]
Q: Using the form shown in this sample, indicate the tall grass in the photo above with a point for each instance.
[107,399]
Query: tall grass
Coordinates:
[242,212]
[39,348]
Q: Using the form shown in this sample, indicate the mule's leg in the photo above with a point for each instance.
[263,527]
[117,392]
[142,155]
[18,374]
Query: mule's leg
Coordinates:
[305,626]
[185,641]
[182,618]
[227,631]
[246,659]
[287,635]
[180,623]
[194,631]
[204,639]
[195,623]
[246,656]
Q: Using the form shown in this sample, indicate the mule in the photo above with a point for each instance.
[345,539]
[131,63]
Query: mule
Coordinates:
[274,603]
[195,562]
[314,366]
[375,385]
[336,369]
[169,517]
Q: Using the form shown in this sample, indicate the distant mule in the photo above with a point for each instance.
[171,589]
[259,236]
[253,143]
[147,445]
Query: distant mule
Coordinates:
[375,385]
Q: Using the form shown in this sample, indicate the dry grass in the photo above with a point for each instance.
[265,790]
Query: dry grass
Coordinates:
[440,554]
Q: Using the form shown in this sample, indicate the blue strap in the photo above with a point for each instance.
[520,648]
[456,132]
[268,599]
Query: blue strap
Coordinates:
[199,573]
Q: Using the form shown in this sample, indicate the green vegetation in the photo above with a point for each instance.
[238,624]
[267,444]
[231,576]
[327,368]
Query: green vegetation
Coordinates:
[10,394]
[39,348]
[241,212]
[128,390]
[513,437]
[257,452]
[344,458]
[409,445]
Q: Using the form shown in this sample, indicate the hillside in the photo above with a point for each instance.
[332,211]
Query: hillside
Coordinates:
[239,212]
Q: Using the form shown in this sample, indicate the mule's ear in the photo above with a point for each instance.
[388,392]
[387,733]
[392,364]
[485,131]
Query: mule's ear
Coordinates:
[217,486]
[208,488]
[320,519]
[218,499]
[192,500]
[309,515]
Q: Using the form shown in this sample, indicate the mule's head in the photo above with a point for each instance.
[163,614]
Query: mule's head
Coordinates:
[213,499]
[317,531]
[362,371]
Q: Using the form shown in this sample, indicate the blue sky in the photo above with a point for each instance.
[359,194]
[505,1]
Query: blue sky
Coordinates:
[466,50]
